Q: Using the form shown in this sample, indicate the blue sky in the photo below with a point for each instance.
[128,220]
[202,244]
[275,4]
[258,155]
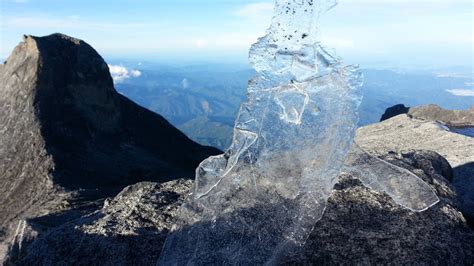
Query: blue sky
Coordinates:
[403,33]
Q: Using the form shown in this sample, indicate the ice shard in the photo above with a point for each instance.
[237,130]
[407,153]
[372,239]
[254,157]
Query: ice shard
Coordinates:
[404,187]
[291,140]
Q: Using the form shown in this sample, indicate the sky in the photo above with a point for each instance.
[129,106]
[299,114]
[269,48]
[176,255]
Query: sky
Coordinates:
[398,33]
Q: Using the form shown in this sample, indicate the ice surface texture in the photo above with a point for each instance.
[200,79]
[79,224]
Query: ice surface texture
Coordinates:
[291,138]
[405,188]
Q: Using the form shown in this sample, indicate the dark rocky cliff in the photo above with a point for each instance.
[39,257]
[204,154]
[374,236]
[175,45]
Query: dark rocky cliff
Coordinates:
[68,138]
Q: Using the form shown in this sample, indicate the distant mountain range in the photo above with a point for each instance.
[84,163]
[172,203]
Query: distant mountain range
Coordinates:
[202,100]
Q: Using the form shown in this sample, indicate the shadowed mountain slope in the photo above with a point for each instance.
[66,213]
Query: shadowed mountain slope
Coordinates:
[66,133]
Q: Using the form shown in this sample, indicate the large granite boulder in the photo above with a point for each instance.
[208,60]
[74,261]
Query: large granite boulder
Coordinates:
[360,226]
[363,227]
[402,133]
[129,230]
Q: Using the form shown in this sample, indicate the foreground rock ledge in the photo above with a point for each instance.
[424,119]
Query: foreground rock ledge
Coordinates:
[405,133]
[360,226]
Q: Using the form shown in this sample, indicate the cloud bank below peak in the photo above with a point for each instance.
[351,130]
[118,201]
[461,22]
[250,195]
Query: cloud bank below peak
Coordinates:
[462,92]
[120,73]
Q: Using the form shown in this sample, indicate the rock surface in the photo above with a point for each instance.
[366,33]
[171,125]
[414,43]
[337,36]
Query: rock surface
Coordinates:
[360,226]
[129,230]
[402,133]
[68,138]
[375,230]
[433,112]
[452,118]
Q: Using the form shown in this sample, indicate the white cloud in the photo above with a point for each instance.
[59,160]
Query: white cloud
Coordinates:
[462,92]
[121,73]
[360,30]
[408,1]
[452,75]
[338,43]
[201,43]
[222,41]
[256,11]
[135,73]
[185,83]
[70,22]
[236,40]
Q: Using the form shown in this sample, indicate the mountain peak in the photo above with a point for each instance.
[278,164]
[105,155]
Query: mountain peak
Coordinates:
[65,128]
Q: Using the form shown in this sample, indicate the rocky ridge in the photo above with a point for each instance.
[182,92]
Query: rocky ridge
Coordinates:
[452,118]
[433,112]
